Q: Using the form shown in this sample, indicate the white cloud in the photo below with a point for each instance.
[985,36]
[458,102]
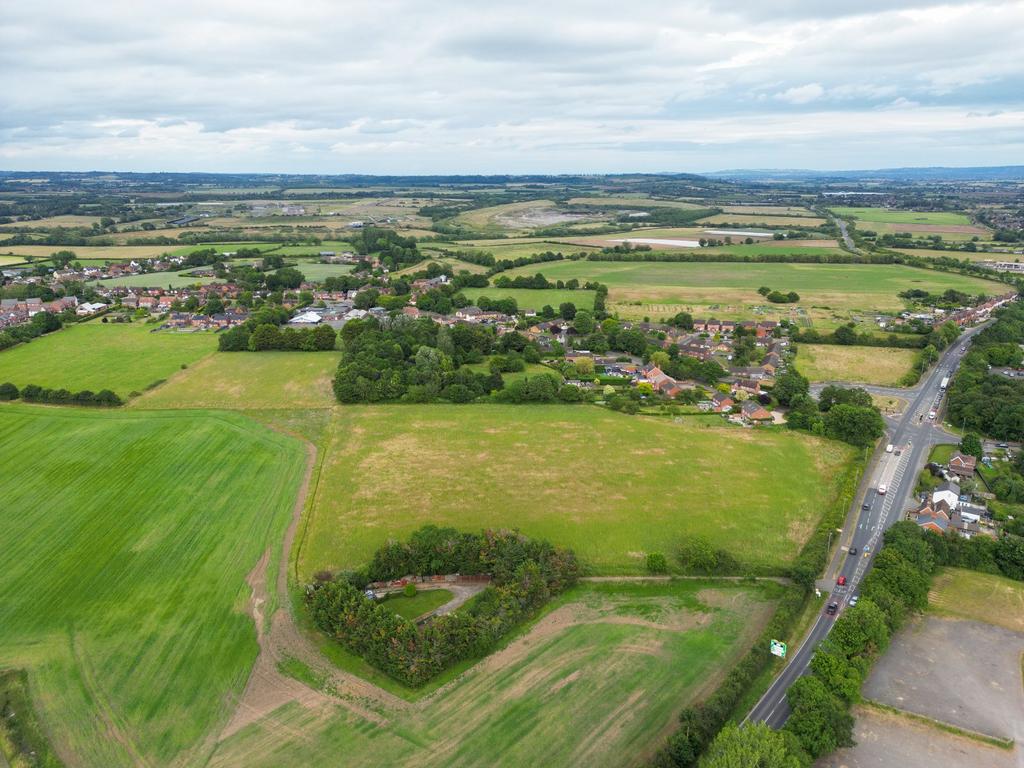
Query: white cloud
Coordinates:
[401,87]
[801,94]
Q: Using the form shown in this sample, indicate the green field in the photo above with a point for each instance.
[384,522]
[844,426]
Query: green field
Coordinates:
[530,369]
[658,288]
[612,487]
[123,357]
[883,366]
[127,540]
[249,380]
[155,280]
[317,272]
[536,299]
[887,216]
[225,247]
[586,685]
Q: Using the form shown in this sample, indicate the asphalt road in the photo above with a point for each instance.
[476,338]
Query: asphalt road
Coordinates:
[912,435]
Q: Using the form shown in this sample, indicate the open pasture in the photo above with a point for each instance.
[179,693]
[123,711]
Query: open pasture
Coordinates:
[249,380]
[763,220]
[317,272]
[624,201]
[64,220]
[612,487]
[534,298]
[111,252]
[767,210]
[156,280]
[127,540]
[978,596]
[839,286]
[585,684]
[882,366]
[951,225]
[122,357]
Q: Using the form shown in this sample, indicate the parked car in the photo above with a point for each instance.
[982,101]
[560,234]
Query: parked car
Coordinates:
[841,581]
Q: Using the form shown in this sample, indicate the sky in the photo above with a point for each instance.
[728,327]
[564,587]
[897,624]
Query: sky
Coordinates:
[464,86]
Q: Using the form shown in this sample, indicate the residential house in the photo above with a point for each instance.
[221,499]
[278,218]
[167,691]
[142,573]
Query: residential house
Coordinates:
[721,402]
[948,492]
[962,465]
[752,412]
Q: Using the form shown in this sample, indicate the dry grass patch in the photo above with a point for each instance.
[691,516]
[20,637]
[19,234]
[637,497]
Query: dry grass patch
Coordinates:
[882,366]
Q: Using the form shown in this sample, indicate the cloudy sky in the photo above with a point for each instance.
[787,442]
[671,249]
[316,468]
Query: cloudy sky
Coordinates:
[464,86]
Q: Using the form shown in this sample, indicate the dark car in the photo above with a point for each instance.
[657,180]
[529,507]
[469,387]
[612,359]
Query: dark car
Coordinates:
[832,608]
[853,550]
[865,506]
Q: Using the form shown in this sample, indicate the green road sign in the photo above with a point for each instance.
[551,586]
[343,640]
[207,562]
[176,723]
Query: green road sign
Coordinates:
[778,648]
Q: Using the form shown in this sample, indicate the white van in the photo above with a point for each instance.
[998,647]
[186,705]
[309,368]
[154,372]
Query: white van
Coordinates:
[888,448]
[881,490]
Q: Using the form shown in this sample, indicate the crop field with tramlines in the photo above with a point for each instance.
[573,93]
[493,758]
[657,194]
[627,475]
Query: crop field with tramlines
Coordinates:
[127,538]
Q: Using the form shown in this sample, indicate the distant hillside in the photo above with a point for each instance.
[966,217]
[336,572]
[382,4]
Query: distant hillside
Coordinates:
[937,173]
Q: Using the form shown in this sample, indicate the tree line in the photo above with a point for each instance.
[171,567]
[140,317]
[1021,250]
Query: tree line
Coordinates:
[526,573]
[980,400]
[33,393]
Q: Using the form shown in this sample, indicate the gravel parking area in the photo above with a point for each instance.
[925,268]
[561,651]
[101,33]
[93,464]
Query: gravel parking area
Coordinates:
[960,672]
[887,741]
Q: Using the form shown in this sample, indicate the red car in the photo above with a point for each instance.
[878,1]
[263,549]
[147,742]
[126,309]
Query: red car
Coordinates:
[842,581]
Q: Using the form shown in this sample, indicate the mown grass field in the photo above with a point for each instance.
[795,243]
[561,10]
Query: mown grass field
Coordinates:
[127,540]
[979,597]
[763,220]
[249,380]
[612,487]
[155,280]
[537,299]
[883,366]
[586,684]
[951,225]
[869,287]
[112,252]
[317,272]
[887,216]
[123,357]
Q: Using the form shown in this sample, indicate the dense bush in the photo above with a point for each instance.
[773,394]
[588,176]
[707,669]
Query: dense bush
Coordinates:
[267,336]
[525,572]
[41,322]
[414,361]
[32,393]
[8,391]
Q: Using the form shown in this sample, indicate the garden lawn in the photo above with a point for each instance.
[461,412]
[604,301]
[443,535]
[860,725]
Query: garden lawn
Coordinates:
[422,602]
[535,298]
[978,596]
[610,486]
[123,357]
[127,541]
[250,380]
[883,366]
[597,681]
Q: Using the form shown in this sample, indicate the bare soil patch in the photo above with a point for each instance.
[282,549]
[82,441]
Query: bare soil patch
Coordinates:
[889,740]
[964,673]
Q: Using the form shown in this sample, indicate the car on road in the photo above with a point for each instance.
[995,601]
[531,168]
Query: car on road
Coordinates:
[931,414]
[899,452]
[853,551]
[831,609]
[889,448]
[882,489]
[841,581]
[865,506]
[853,600]
[1002,445]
